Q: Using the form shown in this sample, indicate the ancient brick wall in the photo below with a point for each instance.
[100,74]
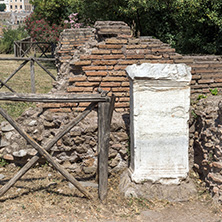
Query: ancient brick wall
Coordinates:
[97,57]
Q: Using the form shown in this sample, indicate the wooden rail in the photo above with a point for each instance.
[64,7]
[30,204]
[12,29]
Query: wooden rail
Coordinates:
[23,47]
[32,61]
[105,110]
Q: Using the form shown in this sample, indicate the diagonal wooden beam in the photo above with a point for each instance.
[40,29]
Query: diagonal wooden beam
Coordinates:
[8,87]
[46,70]
[23,64]
[43,152]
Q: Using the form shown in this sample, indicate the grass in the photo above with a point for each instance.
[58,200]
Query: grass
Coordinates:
[21,82]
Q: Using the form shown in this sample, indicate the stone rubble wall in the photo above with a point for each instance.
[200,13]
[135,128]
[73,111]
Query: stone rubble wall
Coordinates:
[207,132]
[77,150]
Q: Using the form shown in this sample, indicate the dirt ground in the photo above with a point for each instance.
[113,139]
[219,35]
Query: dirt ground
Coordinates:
[44,195]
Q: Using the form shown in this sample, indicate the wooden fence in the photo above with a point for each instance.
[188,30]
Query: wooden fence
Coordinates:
[32,61]
[24,47]
[105,110]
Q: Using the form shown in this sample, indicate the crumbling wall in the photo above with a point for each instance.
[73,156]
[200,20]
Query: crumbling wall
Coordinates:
[207,143]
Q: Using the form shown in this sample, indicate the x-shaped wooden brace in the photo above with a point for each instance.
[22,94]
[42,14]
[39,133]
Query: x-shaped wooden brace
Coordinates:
[43,152]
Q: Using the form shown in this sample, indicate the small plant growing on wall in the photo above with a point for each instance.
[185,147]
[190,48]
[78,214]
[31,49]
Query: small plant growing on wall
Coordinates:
[214,92]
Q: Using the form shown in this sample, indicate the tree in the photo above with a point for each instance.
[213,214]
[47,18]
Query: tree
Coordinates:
[2,7]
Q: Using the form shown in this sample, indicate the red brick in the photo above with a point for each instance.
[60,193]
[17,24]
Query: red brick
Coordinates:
[136,46]
[114,79]
[100,52]
[196,76]
[113,57]
[162,50]
[96,73]
[124,99]
[119,105]
[110,84]
[217,80]
[195,65]
[77,78]
[85,57]
[79,89]
[136,56]
[116,41]
[127,62]
[157,61]
[205,81]
[87,68]
[153,56]
[183,61]
[125,84]
[110,46]
[86,84]
[117,52]
[61,110]
[120,67]
[105,62]
[95,79]
[82,63]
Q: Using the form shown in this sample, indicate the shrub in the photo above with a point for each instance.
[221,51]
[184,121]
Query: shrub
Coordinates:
[9,36]
[41,31]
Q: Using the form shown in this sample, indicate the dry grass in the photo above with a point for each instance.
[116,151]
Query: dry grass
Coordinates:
[21,82]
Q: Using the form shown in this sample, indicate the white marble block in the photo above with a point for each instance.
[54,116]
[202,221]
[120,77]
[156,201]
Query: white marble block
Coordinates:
[159,114]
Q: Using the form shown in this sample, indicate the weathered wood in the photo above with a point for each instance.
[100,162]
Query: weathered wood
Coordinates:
[49,145]
[24,59]
[46,70]
[105,111]
[23,64]
[53,98]
[4,84]
[44,153]
[32,75]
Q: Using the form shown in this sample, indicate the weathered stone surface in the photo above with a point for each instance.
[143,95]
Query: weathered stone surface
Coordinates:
[160,102]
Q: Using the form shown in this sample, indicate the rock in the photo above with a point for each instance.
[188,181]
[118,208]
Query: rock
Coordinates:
[32,123]
[8,157]
[121,136]
[89,170]
[20,153]
[2,176]
[81,149]
[4,143]
[78,140]
[6,127]
[8,135]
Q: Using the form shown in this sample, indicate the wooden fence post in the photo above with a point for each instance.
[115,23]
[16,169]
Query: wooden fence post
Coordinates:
[105,110]
[32,74]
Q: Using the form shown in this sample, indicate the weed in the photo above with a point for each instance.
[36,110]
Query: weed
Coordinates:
[3,162]
[201,97]
[193,114]
[214,91]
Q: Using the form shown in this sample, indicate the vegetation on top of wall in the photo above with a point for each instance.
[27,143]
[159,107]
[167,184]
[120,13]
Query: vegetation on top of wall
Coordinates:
[190,26]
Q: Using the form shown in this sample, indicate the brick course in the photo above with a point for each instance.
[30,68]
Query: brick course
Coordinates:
[102,64]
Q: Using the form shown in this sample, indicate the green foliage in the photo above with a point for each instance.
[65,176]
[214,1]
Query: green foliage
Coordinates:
[191,26]
[3,162]
[214,92]
[201,97]
[41,30]
[2,7]
[9,36]
[53,11]
[194,114]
